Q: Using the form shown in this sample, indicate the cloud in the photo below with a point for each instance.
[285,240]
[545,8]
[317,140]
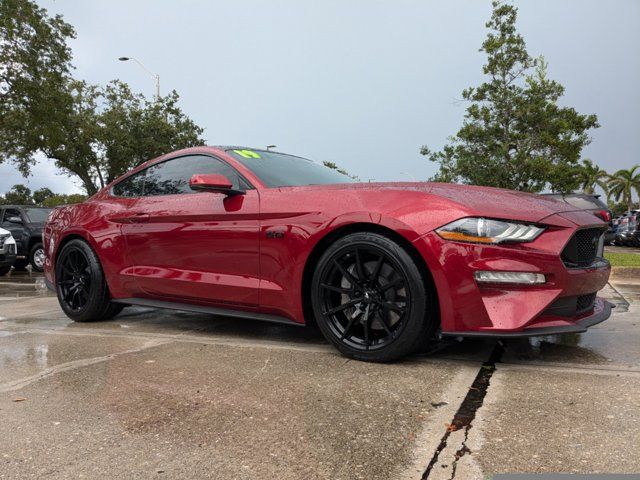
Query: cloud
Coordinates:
[43,174]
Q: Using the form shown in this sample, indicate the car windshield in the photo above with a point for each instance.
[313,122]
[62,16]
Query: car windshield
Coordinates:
[281,170]
[37,215]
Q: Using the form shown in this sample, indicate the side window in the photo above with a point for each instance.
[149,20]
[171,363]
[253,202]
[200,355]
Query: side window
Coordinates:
[10,212]
[172,177]
[131,187]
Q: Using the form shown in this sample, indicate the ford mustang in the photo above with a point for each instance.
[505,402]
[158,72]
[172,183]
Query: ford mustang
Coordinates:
[381,268]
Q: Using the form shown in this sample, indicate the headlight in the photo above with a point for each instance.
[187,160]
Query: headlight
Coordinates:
[485,230]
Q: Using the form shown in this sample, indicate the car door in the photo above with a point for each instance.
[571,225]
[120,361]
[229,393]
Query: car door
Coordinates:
[195,246]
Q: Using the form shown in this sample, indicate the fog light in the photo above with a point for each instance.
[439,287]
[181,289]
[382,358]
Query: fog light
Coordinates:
[525,278]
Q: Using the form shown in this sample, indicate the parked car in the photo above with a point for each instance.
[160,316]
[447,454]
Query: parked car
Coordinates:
[7,251]
[26,224]
[590,203]
[615,226]
[628,232]
[621,230]
[635,233]
[381,268]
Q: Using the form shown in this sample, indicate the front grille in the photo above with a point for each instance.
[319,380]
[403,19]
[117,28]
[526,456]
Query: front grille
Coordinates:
[571,306]
[583,248]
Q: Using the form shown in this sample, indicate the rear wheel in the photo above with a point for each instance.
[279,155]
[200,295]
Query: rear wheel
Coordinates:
[82,291]
[370,299]
[36,257]
[4,270]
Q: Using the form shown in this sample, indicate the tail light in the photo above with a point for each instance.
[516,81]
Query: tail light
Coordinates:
[606,215]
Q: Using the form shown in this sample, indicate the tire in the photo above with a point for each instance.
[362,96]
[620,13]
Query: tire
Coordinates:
[21,265]
[36,257]
[4,270]
[370,299]
[80,285]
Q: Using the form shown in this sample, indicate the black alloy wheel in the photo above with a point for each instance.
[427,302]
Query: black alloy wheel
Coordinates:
[74,282]
[82,291]
[370,299]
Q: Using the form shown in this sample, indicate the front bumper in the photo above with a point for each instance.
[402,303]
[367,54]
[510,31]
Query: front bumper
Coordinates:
[7,254]
[601,311]
[469,308]
[7,259]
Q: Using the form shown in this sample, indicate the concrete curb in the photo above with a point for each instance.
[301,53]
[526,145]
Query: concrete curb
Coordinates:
[619,273]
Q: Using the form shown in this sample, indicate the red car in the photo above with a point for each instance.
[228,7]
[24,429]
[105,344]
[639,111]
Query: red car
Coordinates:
[380,267]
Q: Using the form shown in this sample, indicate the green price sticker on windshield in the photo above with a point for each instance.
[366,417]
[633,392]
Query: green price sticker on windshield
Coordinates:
[247,153]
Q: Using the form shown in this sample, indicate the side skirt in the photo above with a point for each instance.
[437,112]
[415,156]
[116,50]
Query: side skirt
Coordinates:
[223,312]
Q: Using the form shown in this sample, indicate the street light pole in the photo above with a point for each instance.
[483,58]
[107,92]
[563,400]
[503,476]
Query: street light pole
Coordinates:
[155,76]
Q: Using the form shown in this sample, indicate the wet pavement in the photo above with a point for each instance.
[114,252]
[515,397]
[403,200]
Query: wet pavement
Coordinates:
[159,394]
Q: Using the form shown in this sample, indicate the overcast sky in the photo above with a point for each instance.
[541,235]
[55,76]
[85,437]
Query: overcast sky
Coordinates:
[362,83]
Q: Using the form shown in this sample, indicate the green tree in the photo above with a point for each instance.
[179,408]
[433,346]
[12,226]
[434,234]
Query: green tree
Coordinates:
[618,208]
[591,176]
[34,69]
[18,195]
[111,130]
[45,197]
[91,133]
[41,195]
[623,183]
[514,134]
[57,200]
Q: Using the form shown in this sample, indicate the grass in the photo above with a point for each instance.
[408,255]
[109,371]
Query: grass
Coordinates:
[623,259]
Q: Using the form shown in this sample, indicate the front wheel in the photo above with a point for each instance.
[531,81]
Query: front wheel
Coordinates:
[82,290]
[4,270]
[370,299]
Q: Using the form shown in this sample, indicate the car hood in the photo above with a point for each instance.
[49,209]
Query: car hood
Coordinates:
[501,203]
[476,201]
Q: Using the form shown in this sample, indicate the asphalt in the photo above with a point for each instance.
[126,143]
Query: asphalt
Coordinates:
[157,394]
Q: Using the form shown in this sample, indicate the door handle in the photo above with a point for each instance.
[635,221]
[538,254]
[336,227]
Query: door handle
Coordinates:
[139,218]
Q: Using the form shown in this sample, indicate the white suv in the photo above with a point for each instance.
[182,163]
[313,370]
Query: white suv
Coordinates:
[7,251]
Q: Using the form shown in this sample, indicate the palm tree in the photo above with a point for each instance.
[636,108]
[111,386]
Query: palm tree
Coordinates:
[591,175]
[623,182]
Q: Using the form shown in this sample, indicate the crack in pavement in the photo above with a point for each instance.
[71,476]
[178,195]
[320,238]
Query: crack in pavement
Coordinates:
[64,367]
[463,418]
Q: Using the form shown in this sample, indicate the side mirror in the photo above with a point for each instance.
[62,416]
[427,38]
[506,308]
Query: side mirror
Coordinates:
[16,220]
[213,182]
